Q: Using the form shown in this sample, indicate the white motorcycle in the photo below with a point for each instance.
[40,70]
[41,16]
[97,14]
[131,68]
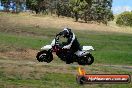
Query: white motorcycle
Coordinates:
[82,57]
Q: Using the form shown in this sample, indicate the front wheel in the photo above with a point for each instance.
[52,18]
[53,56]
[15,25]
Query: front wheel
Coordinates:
[44,56]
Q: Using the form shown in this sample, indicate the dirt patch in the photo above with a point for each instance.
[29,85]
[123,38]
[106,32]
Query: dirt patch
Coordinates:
[28,57]
[123,67]
[21,54]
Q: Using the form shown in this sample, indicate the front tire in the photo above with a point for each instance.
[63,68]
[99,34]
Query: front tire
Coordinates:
[44,56]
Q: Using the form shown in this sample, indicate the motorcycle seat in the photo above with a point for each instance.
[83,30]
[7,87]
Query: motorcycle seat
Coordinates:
[81,53]
[87,48]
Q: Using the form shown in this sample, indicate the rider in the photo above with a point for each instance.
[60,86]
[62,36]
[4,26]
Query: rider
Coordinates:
[72,43]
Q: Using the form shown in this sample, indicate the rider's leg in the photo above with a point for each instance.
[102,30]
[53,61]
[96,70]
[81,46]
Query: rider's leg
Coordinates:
[69,57]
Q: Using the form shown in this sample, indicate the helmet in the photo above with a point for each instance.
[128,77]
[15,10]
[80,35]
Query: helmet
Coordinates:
[66,32]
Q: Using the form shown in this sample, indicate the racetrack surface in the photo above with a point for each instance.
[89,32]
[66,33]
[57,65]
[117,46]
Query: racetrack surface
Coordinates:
[22,36]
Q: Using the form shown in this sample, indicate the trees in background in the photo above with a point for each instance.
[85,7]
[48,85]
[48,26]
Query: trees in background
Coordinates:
[44,6]
[101,11]
[5,4]
[14,5]
[86,10]
[125,19]
[18,4]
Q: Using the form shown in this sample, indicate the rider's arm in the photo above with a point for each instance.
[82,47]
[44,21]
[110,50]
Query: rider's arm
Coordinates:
[59,34]
[70,41]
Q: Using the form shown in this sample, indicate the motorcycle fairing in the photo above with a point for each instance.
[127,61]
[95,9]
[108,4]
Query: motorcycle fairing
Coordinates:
[47,47]
[53,42]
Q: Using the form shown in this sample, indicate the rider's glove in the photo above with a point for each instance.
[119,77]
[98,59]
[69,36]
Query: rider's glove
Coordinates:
[66,47]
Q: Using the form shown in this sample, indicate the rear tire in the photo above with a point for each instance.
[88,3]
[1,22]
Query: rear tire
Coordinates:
[44,56]
[82,61]
[86,60]
[90,59]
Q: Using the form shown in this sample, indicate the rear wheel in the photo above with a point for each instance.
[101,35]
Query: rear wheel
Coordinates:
[90,59]
[44,56]
[81,61]
[86,60]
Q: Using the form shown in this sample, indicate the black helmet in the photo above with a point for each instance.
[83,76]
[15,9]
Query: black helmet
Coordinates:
[66,32]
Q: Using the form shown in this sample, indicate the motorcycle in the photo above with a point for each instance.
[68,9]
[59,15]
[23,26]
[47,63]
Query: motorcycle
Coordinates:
[82,57]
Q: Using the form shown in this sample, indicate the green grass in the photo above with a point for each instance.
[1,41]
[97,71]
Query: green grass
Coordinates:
[54,80]
[110,48]
[18,75]
[17,41]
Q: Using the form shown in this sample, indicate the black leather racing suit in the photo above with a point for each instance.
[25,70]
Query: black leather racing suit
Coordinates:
[72,44]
